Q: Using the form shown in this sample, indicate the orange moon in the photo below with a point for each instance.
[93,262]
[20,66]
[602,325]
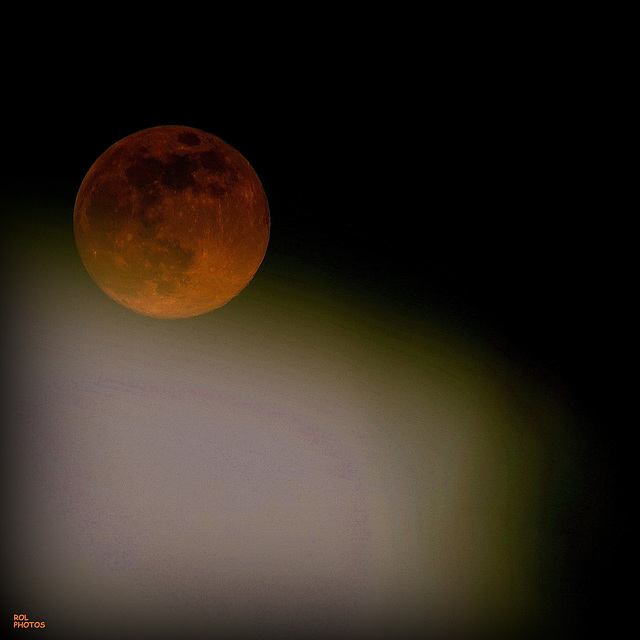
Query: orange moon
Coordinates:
[171,222]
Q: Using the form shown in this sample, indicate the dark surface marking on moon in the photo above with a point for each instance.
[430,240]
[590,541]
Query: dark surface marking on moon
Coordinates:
[214,161]
[189,139]
[144,171]
[178,172]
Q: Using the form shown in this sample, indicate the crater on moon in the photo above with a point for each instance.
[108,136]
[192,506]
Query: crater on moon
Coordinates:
[171,222]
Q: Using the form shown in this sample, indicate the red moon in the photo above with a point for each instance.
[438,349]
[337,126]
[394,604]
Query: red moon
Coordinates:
[171,222]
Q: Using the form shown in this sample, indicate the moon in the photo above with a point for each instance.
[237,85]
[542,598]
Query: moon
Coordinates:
[171,222]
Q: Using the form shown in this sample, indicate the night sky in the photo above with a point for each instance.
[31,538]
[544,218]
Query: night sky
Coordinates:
[405,200]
